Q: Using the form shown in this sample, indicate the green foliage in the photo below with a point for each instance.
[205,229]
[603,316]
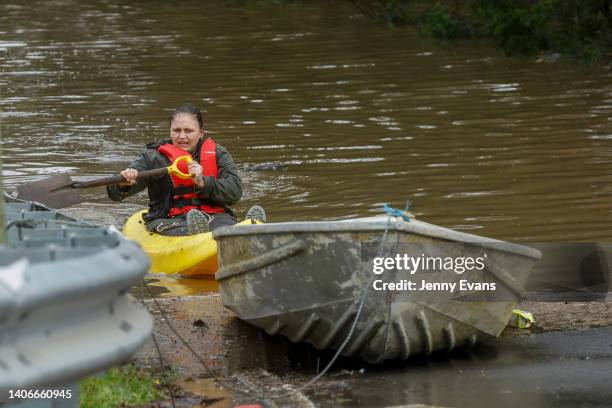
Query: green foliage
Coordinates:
[122,386]
[586,29]
[439,22]
[582,28]
[392,12]
[520,26]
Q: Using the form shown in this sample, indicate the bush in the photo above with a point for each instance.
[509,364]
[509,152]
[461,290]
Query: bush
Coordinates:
[441,23]
[393,12]
[582,28]
[519,26]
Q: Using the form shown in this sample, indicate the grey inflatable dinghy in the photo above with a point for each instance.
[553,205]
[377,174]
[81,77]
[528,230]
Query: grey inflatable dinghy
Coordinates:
[64,308]
[305,280]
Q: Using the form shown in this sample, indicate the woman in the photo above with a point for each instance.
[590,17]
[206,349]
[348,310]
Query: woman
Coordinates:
[186,206]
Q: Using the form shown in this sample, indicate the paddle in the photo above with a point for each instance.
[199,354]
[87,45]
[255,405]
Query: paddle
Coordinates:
[59,191]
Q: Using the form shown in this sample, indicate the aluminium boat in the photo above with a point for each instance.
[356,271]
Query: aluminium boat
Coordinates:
[312,281]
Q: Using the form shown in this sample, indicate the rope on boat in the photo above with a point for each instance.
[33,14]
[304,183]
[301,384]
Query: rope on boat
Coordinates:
[396,212]
[159,353]
[257,391]
[208,369]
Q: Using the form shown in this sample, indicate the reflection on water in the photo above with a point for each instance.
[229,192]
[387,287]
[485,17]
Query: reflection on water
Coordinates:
[169,286]
[358,114]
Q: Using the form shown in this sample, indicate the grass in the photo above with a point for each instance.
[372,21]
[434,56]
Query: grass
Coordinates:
[120,387]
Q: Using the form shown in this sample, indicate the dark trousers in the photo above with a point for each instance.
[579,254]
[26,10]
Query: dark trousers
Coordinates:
[177,226]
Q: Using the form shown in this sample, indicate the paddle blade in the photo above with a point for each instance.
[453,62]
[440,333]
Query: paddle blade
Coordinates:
[40,191]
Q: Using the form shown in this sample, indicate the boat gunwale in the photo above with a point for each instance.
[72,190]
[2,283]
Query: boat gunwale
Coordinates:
[379,223]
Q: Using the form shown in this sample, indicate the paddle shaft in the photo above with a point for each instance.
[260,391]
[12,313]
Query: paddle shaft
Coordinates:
[142,175]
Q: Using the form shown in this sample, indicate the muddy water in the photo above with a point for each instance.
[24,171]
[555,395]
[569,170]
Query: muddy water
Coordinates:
[559,369]
[360,114]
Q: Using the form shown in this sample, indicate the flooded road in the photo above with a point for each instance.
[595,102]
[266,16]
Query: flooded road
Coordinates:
[360,114]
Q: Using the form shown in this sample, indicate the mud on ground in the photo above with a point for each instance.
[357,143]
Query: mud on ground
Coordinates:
[243,354]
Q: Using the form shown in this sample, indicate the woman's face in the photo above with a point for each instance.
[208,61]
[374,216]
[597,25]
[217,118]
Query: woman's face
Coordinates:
[185,131]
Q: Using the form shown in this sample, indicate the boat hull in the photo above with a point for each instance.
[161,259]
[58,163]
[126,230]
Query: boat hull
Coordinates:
[305,281]
[194,255]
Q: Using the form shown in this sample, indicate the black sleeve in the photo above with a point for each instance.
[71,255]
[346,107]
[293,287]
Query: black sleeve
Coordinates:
[117,193]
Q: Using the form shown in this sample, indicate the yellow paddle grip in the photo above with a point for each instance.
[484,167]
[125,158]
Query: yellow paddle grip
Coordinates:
[173,169]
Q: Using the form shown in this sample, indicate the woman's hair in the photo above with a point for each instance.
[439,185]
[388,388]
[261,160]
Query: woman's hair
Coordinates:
[190,109]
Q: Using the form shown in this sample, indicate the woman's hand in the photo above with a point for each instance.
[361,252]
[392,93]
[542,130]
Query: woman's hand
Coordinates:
[196,174]
[130,176]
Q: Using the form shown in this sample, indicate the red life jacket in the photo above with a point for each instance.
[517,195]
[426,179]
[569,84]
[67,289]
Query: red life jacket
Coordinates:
[184,197]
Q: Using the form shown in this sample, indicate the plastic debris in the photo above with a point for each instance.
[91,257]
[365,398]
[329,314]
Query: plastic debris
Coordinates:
[521,319]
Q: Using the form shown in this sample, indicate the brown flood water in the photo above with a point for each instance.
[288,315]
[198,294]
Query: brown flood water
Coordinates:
[361,114]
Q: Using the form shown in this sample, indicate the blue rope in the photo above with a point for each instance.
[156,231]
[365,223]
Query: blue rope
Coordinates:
[396,212]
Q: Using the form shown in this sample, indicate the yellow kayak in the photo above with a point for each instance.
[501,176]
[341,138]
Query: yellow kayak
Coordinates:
[187,256]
